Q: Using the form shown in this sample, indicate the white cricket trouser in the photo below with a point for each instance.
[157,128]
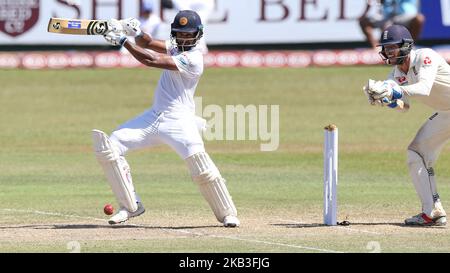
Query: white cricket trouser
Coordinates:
[431,137]
[422,155]
[179,130]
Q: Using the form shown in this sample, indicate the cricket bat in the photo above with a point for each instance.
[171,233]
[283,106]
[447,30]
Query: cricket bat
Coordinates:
[78,26]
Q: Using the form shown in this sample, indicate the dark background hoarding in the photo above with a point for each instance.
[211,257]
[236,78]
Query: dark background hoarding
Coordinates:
[437,12]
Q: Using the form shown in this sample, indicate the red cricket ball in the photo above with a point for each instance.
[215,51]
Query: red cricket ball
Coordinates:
[108,209]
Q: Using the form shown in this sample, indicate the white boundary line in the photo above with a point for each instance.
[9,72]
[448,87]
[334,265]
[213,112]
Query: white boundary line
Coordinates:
[279,244]
[262,242]
[176,230]
[341,227]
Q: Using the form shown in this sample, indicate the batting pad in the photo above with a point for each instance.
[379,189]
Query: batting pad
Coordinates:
[211,185]
[116,169]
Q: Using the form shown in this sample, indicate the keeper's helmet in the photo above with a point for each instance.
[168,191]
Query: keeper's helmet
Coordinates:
[186,21]
[396,35]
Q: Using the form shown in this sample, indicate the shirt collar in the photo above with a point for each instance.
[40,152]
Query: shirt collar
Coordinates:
[412,60]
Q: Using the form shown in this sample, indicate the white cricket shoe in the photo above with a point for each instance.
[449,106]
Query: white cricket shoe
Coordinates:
[123,214]
[438,210]
[231,221]
[422,219]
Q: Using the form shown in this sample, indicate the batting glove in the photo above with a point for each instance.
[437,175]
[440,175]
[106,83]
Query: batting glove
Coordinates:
[115,39]
[115,26]
[131,27]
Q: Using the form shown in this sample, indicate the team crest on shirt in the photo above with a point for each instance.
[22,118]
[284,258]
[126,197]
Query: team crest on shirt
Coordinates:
[401,80]
[184,59]
[427,61]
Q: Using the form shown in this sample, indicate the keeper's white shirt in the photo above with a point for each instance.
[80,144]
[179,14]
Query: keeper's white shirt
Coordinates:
[427,80]
[176,89]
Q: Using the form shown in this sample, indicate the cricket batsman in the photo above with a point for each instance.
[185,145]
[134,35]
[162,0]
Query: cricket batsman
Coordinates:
[422,75]
[171,120]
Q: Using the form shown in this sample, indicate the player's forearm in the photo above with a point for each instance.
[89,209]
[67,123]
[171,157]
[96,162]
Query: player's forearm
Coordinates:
[143,56]
[399,105]
[146,41]
[149,58]
[143,40]
[422,88]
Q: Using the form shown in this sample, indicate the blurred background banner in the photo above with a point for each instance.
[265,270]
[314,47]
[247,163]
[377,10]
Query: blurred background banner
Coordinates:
[437,24]
[24,22]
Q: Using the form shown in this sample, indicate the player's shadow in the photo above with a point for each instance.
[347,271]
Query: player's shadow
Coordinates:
[105,226]
[393,224]
[312,225]
[380,224]
[125,226]
[25,226]
[315,225]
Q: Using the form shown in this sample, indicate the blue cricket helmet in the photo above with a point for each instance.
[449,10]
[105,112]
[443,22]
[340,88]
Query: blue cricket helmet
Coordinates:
[186,21]
[396,35]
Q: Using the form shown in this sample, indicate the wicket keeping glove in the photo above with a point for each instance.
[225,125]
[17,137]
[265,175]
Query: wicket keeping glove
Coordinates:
[369,97]
[379,90]
[115,39]
[131,27]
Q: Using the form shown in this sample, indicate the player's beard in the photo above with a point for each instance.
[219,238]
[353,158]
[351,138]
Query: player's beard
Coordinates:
[185,44]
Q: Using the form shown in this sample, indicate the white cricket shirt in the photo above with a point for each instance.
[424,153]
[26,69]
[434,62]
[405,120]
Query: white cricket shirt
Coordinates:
[176,89]
[427,80]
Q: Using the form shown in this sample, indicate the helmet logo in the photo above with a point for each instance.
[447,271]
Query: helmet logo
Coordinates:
[385,35]
[183,21]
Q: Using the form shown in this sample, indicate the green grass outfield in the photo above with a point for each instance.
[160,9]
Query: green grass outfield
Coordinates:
[52,190]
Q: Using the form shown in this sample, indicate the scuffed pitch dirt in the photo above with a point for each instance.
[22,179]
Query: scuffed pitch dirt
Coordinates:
[259,232]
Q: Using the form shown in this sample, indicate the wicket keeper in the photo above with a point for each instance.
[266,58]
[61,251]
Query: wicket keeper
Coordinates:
[422,75]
